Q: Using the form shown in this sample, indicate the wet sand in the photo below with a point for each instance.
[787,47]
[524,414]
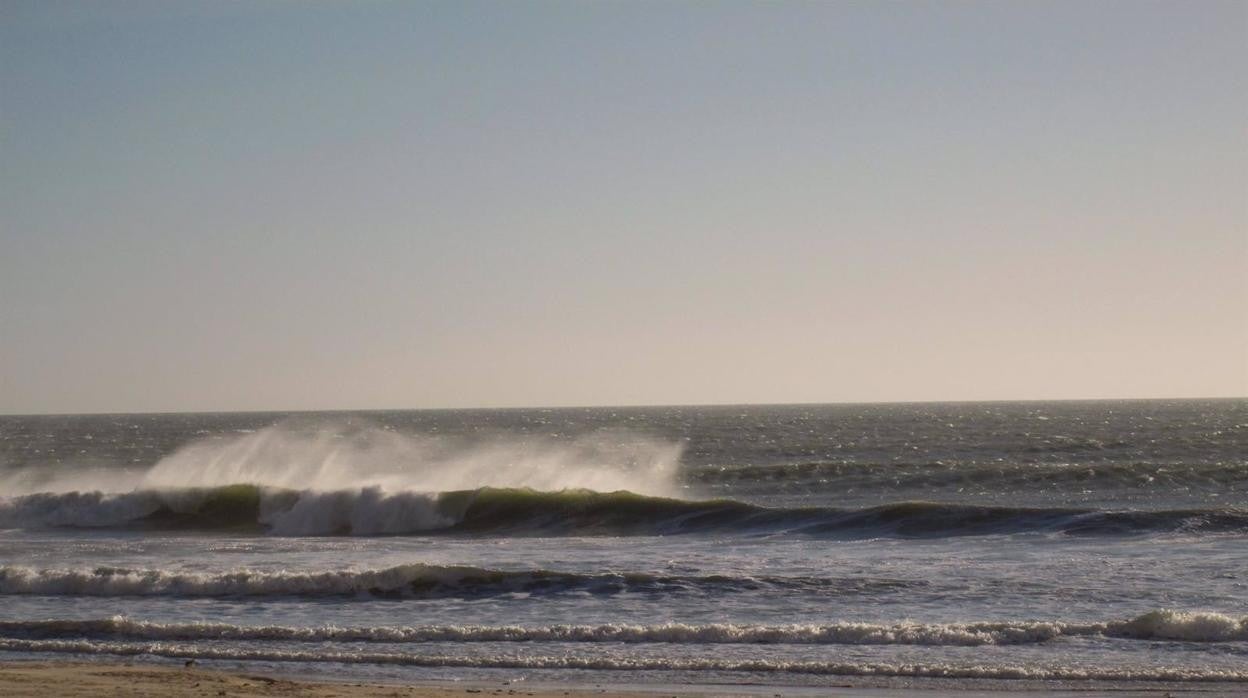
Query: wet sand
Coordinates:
[83,680]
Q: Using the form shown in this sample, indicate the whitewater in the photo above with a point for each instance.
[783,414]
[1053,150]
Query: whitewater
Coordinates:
[991,545]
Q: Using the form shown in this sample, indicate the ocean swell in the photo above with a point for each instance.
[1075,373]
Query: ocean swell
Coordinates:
[488,511]
[1070,477]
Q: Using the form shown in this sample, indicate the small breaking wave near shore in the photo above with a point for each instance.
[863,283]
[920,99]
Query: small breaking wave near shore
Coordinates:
[627,663]
[1162,625]
[414,581]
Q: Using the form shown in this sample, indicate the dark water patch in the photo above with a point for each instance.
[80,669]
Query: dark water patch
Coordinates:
[496,512]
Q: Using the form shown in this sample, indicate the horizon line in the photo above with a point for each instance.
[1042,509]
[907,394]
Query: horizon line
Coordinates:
[623,406]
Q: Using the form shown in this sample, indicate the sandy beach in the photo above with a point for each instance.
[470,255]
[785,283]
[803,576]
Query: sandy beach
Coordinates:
[80,680]
[71,680]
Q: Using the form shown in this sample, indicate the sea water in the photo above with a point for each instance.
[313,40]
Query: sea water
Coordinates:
[1001,545]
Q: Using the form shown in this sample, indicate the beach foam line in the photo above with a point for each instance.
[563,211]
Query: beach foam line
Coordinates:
[413,581]
[566,661]
[1168,625]
[502,512]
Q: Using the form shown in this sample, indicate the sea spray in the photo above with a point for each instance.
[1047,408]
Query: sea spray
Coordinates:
[334,456]
[328,454]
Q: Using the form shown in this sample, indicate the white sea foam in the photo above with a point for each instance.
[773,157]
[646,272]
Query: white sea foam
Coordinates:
[613,663]
[112,581]
[1167,624]
[407,581]
[1192,627]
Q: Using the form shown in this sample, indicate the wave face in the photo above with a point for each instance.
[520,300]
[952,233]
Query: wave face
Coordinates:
[628,663]
[1164,625]
[372,511]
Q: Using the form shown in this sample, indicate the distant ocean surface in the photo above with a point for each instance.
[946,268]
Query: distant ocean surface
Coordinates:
[998,545]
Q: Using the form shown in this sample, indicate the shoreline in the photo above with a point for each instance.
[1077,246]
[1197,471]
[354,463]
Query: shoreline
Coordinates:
[78,679]
[83,679]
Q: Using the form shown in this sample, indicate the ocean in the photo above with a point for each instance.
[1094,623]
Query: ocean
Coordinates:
[1098,544]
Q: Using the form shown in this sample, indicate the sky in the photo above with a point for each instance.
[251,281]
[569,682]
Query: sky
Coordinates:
[329,205]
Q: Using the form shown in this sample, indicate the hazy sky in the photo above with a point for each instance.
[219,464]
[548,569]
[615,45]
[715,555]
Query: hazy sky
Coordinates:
[302,205]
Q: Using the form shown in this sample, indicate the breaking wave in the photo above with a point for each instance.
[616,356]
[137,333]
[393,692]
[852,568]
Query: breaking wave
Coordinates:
[1165,625]
[489,511]
[405,581]
[616,663]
